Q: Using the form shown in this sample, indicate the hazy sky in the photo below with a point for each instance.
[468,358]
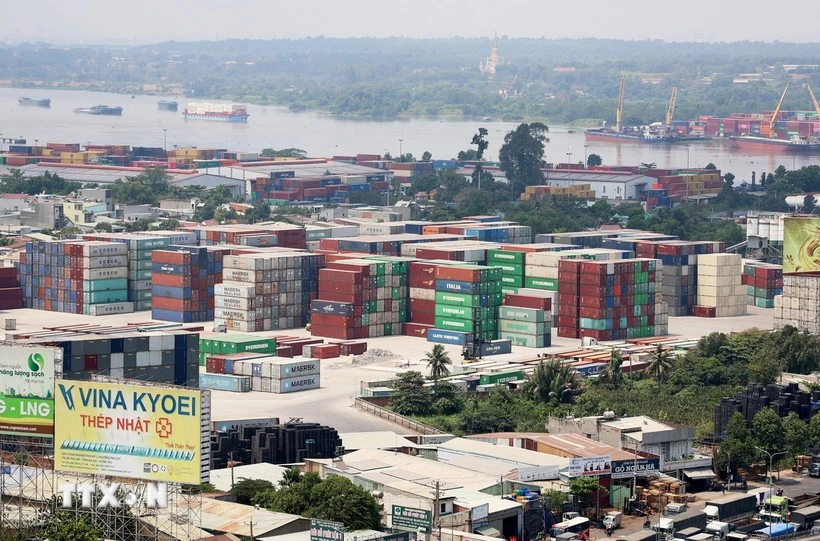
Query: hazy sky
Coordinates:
[145,21]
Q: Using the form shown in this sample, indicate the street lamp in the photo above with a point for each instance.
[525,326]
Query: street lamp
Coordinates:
[400,141]
[688,148]
[585,155]
[771,458]
[569,160]
[165,139]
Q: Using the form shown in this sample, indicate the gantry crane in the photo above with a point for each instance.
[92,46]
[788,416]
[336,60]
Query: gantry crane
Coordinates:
[670,107]
[620,110]
[814,101]
[772,132]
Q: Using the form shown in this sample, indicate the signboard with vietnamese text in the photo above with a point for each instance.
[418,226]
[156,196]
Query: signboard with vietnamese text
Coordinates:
[326,530]
[412,518]
[590,465]
[27,390]
[623,469]
[141,432]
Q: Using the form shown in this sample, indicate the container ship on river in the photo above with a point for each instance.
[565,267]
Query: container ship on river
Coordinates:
[166,105]
[216,111]
[100,110]
[44,102]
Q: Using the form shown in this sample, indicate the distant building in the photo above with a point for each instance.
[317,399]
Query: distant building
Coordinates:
[488,66]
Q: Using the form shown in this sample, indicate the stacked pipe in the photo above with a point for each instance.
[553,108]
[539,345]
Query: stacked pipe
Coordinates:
[266,290]
[77,277]
[183,279]
[610,300]
[763,281]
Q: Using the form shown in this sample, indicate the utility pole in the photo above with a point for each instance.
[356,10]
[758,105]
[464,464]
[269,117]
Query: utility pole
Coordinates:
[585,156]
[251,523]
[437,510]
[165,139]
[230,455]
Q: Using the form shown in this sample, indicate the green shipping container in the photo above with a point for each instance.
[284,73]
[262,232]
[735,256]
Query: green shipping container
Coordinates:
[505,256]
[139,275]
[465,312]
[144,295]
[541,283]
[523,327]
[510,268]
[522,314]
[139,264]
[509,290]
[465,325]
[526,340]
[105,285]
[512,281]
[461,299]
[764,303]
[101,297]
[500,377]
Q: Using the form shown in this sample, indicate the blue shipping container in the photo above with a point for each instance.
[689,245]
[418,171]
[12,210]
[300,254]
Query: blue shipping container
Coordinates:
[442,336]
[225,382]
[453,286]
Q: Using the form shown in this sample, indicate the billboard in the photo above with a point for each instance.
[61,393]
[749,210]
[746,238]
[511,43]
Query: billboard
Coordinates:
[27,390]
[801,244]
[141,432]
[624,469]
[326,530]
[590,465]
[411,518]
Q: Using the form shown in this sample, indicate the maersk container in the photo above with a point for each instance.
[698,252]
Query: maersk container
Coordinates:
[295,384]
[224,382]
[443,336]
[284,368]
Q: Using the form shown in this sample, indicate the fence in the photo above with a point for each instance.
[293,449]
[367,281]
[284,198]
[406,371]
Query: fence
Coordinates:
[393,417]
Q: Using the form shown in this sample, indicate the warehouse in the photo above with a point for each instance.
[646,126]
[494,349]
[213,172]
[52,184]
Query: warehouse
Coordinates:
[605,184]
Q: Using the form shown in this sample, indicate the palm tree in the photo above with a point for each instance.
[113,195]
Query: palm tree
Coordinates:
[612,373]
[551,380]
[660,363]
[438,361]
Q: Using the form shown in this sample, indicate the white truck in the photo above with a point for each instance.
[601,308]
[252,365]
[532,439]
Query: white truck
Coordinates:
[718,530]
[612,520]
[667,526]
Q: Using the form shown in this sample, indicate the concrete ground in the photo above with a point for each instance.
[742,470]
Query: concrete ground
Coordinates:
[332,404]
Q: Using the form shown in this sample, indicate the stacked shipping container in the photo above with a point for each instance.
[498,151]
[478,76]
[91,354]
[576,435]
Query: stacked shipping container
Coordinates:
[763,281]
[11,295]
[720,286]
[75,277]
[422,303]
[528,327]
[541,269]
[798,305]
[610,300]
[467,301]
[183,282]
[280,375]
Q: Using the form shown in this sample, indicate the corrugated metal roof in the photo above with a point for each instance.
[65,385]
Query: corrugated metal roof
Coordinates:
[235,518]
[374,440]
[221,479]
[315,170]
[89,175]
[594,176]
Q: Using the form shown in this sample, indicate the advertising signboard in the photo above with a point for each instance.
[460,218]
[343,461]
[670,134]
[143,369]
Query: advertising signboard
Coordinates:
[624,469]
[326,530]
[801,244]
[411,518]
[27,390]
[590,465]
[142,432]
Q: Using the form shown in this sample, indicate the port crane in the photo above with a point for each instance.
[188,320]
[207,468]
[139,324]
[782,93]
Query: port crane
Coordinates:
[670,107]
[620,110]
[814,100]
[772,132]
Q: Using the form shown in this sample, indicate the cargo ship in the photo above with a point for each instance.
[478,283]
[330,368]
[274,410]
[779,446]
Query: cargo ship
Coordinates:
[216,111]
[44,102]
[630,136]
[100,110]
[166,105]
[796,145]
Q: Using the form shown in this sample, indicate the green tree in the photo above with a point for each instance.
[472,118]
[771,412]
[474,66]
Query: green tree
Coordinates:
[245,490]
[103,226]
[594,160]
[582,487]
[67,527]
[551,381]
[612,374]
[814,430]
[737,450]
[521,157]
[710,165]
[290,477]
[469,155]
[259,213]
[660,364]
[409,396]
[448,399]
[767,428]
[797,435]
[809,204]
[438,362]
[426,156]
[297,153]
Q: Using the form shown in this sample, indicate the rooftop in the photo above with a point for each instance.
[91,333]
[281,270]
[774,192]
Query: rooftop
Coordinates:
[594,176]
[235,518]
[221,479]
[312,169]
[574,445]
[353,441]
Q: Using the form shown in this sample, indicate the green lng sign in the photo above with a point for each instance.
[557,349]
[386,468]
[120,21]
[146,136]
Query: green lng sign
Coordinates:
[27,390]
[411,518]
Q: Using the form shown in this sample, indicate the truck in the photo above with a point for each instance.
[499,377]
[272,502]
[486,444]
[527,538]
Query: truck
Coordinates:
[613,519]
[731,507]
[674,509]
[761,494]
[687,533]
[667,526]
[776,508]
[640,535]
[804,500]
[746,525]
[776,531]
[718,530]
[805,517]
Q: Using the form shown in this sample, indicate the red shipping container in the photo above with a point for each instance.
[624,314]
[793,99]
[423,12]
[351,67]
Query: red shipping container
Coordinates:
[328,319]
[425,318]
[415,329]
[420,268]
[422,282]
[177,305]
[461,274]
[325,351]
[284,351]
[337,275]
[422,305]
[524,301]
[172,258]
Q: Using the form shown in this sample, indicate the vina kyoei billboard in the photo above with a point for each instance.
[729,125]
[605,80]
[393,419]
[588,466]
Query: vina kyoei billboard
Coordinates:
[141,432]
[801,244]
[27,390]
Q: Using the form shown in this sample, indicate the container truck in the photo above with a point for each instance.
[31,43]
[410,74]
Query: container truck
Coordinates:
[805,517]
[667,526]
[686,533]
[613,519]
[776,531]
[731,507]
[640,535]
[747,525]
[776,508]
[718,530]
[674,509]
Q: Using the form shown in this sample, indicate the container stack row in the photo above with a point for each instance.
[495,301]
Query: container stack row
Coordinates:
[284,187]
[76,277]
[264,291]
[467,301]
[763,281]
[279,234]
[421,314]
[527,327]
[720,287]
[139,263]
[609,300]
[280,375]
[541,268]
[11,295]
[798,305]
[511,264]
[183,280]
[215,345]
[361,298]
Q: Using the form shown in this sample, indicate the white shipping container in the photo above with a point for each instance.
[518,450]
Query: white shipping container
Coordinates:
[299,383]
[102,262]
[105,274]
[423,294]
[236,315]
[143,359]
[236,303]
[111,308]
[100,248]
[235,289]
[284,368]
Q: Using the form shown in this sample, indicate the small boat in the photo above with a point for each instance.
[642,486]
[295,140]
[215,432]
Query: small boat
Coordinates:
[570,131]
[100,110]
[167,105]
[44,102]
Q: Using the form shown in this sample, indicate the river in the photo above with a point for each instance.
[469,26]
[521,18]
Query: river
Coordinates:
[143,124]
